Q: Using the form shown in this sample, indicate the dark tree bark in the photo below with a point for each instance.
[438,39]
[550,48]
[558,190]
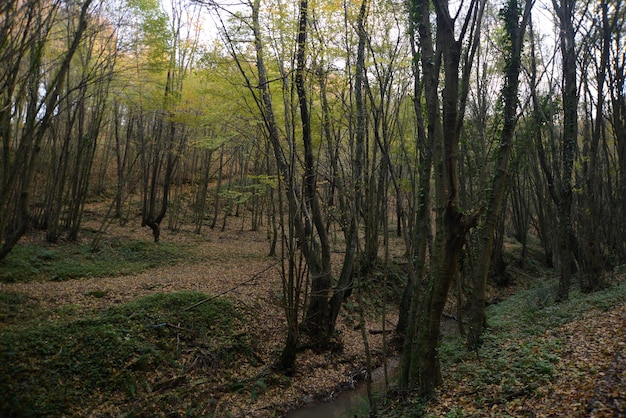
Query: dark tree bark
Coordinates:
[592,259]
[515,30]
[316,245]
[565,12]
[617,118]
[421,368]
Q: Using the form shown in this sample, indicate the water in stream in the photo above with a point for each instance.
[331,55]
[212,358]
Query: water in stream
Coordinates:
[350,403]
[346,404]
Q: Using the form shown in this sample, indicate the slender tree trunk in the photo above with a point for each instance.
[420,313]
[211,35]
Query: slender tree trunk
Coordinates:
[515,35]
[288,182]
[565,12]
[343,289]
[417,243]
[591,240]
[318,251]
[218,188]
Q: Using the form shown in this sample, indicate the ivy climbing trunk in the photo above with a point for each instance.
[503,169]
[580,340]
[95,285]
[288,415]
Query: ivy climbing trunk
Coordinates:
[514,32]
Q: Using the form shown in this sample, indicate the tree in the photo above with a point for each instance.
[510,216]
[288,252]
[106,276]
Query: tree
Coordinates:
[617,118]
[565,13]
[28,102]
[307,220]
[421,368]
[515,20]
[590,229]
[70,148]
[163,133]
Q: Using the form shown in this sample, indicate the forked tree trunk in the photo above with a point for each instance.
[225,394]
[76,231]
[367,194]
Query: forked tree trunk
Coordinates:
[421,368]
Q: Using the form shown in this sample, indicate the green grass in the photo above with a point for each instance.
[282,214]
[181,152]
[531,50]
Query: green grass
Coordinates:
[134,354]
[534,311]
[17,308]
[71,261]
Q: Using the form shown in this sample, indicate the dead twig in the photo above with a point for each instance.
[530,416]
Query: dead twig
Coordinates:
[195,305]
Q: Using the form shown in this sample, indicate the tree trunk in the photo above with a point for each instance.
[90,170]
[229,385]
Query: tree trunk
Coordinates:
[565,13]
[315,242]
[422,368]
[343,288]
[592,257]
[515,35]
[416,244]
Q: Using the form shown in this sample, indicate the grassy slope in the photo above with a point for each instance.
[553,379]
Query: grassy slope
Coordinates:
[526,351]
[75,260]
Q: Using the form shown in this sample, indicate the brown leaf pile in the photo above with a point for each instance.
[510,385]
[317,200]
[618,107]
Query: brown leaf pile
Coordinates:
[592,370]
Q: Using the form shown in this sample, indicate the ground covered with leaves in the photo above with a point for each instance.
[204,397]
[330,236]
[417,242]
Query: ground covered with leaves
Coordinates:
[542,361]
[194,330]
[192,326]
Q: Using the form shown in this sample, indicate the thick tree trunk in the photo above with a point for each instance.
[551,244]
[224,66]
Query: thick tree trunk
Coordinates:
[431,64]
[426,374]
[421,369]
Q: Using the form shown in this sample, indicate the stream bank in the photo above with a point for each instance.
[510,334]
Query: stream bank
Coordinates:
[350,403]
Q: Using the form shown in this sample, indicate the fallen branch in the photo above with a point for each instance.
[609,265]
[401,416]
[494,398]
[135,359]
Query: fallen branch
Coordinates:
[195,305]
[166,324]
[379,331]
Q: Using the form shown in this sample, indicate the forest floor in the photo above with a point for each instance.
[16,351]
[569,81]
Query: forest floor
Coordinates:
[589,378]
[235,265]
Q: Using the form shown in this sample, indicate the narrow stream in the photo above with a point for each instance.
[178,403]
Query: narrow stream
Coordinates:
[354,403]
[349,403]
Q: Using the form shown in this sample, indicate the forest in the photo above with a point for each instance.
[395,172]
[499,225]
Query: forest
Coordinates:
[391,165]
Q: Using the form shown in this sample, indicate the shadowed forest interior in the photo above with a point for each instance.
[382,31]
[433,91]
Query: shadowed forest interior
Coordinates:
[389,166]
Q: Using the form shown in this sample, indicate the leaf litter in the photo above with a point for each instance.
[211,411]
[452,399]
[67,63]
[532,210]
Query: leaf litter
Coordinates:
[590,375]
[235,264]
[589,379]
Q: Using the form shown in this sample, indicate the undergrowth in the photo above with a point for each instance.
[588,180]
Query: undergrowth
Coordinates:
[382,288]
[75,260]
[149,354]
[519,354]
